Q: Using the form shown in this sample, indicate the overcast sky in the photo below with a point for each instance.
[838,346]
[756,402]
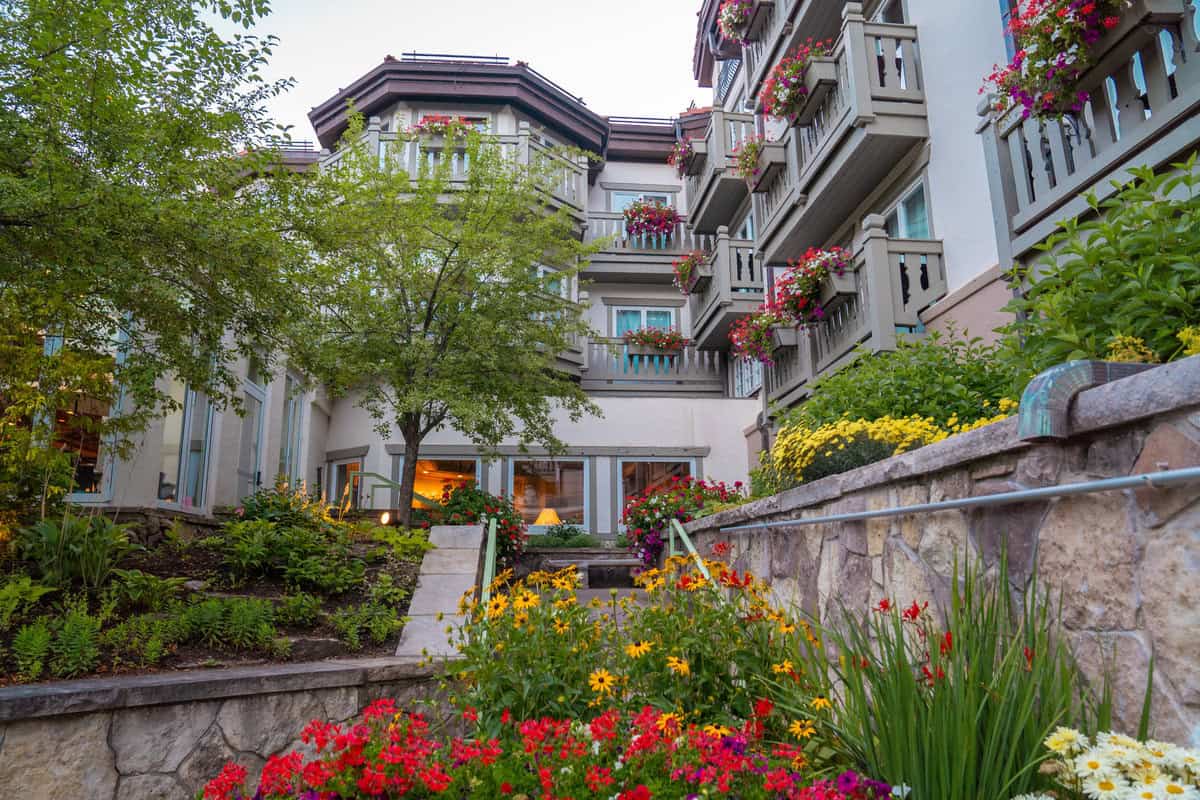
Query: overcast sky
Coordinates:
[624,57]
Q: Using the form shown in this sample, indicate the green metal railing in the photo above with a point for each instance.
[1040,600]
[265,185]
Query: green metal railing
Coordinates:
[489,564]
[675,529]
[384,482]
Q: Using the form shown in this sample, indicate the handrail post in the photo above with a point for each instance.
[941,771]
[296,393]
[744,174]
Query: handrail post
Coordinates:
[881,284]
[489,564]
[676,528]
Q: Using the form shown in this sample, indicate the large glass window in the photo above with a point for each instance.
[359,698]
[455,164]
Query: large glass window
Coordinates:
[76,433]
[347,480]
[631,319]
[550,491]
[289,447]
[909,219]
[624,199]
[437,475]
[183,471]
[747,376]
[639,477]
[249,467]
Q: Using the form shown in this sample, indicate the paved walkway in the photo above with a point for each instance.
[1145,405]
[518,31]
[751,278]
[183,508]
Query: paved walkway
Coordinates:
[446,573]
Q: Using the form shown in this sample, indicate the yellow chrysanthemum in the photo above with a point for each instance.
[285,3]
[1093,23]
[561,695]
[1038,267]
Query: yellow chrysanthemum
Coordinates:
[602,681]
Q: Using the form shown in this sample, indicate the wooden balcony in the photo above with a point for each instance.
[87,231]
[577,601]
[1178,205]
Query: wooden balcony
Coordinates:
[569,187]
[735,289]
[1144,96]
[785,24]
[715,192]
[871,117]
[894,280]
[637,259]
[612,367]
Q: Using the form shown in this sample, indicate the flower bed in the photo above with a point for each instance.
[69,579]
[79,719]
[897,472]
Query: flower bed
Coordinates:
[1054,39]
[654,219]
[646,518]
[655,340]
[785,91]
[689,271]
[284,576]
[467,504]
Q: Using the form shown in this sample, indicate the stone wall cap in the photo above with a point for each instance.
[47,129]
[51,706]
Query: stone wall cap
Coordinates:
[130,691]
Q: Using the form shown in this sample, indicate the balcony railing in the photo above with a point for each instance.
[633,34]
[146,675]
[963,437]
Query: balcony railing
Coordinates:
[895,279]
[734,290]
[715,192]
[1144,91]
[610,225]
[784,26]
[568,174]
[612,367]
[873,114]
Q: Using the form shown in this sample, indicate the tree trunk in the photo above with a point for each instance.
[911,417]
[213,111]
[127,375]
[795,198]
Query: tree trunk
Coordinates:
[411,430]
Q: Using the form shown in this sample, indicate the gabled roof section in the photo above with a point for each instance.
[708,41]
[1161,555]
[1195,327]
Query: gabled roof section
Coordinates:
[463,79]
[640,139]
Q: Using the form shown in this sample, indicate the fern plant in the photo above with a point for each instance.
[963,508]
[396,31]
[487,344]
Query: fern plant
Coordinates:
[76,647]
[31,646]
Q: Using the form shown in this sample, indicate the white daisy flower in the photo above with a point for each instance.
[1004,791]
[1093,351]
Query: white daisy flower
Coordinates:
[1153,789]
[1176,790]
[1106,787]
[1066,741]
[1184,759]
[1094,762]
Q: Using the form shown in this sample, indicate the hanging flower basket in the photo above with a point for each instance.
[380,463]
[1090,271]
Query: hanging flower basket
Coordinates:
[837,285]
[784,336]
[654,342]
[772,159]
[751,335]
[785,91]
[693,272]
[688,157]
[653,219]
[819,79]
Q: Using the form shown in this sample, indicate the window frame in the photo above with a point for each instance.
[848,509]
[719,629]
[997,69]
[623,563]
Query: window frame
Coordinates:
[291,447]
[262,394]
[897,208]
[335,499]
[398,470]
[641,194]
[619,486]
[185,436]
[537,530]
[615,310]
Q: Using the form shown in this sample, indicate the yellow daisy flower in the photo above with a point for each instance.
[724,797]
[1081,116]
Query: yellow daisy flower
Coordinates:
[678,665]
[497,606]
[561,626]
[637,649]
[782,668]
[801,729]
[602,681]
[820,703]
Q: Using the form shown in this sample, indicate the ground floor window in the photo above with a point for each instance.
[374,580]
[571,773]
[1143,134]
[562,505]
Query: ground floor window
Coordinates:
[289,447]
[76,433]
[346,483]
[436,475]
[187,433]
[639,477]
[550,491]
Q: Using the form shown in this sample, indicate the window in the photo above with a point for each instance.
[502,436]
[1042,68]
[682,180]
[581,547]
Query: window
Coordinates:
[623,200]
[639,477]
[631,319]
[347,483]
[745,231]
[892,11]
[187,431]
[1008,10]
[546,492]
[556,285]
[747,376]
[76,434]
[249,463]
[289,446]
[435,475]
[909,219]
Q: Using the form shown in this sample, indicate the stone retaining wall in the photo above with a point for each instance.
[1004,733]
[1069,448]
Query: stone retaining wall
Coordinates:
[1127,563]
[163,736]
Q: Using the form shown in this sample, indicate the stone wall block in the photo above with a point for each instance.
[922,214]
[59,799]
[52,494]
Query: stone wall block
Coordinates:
[945,538]
[854,580]
[1170,580]
[1167,447]
[1014,525]
[266,723]
[995,467]
[1040,466]
[212,753]
[1113,456]
[155,786]
[340,704]
[909,525]
[827,582]
[58,758]
[853,536]
[1088,551]
[158,738]
[904,577]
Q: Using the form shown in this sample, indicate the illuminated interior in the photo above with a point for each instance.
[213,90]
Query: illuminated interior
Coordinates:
[434,475]
[639,476]
[541,487]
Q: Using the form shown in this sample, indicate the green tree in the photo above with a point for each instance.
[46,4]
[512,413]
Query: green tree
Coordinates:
[130,248]
[442,296]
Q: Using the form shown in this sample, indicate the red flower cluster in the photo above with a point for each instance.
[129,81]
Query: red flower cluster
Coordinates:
[647,516]
[732,17]
[685,268]
[679,156]
[656,219]
[751,334]
[798,291]
[668,341]
[439,125]
[784,93]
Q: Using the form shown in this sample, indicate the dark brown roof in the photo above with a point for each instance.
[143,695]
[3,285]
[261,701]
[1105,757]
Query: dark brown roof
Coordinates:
[702,55]
[463,81]
[640,140]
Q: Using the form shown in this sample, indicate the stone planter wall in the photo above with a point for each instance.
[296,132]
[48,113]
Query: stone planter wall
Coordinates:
[1127,563]
[163,736]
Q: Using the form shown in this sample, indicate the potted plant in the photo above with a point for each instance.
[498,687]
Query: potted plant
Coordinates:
[753,336]
[784,335]
[687,157]
[733,19]
[654,220]
[1054,44]
[757,161]
[654,342]
[692,272]
[813,280]
[786,91]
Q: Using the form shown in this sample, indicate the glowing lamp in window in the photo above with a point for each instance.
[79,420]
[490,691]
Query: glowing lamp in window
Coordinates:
[548,516]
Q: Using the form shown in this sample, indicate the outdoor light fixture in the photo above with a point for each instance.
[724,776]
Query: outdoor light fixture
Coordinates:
[548,516]
[384,518]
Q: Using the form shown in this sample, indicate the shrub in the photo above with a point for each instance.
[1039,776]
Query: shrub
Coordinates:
[989,687]
[18,594]
[565,534]
[318,558]
[377,621]
[229,623]
[31,647]
[136,589]
[1130,270]
[142,640]
[286,506]
[404,544]
[300,609]
[76,550]
[646,518]
[76,646]
[468,504]
[937,377]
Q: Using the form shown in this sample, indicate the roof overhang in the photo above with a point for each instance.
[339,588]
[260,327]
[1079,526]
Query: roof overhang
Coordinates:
[702,54]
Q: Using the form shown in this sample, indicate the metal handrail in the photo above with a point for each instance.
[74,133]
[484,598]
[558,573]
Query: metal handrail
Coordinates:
[489,564]
[675,529]
[1154,480]
[388,483]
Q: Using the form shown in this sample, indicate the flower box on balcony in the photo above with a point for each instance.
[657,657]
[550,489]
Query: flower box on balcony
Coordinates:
[647,350]
[695,163]
[1139,25]
[772,159]
[838,285]
[702,276]
[784,336]
[725,49]
[819,78]
[758,19]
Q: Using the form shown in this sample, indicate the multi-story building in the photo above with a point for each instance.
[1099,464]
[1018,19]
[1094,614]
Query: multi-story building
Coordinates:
[897,158]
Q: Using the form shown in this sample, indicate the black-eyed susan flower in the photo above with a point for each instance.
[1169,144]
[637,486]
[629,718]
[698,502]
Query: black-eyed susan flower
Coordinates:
[602,681]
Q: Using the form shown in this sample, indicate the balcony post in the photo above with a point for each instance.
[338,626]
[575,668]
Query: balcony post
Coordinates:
[1001,183]
[374,125]
[723,266]
[523,133]
[858,62]
[878,268]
